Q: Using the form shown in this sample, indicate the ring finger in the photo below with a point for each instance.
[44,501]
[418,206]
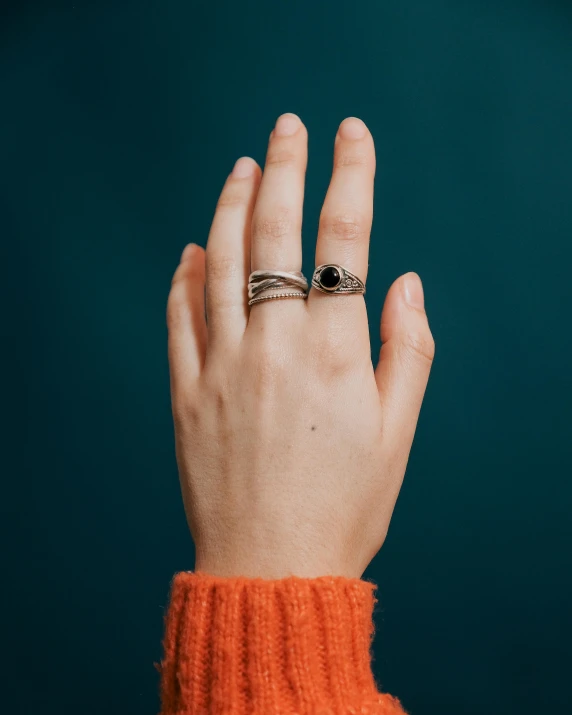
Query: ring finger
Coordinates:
[346,216]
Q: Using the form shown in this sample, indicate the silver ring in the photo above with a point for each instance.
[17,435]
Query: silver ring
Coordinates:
[268,280]
[276,295]
[335,279]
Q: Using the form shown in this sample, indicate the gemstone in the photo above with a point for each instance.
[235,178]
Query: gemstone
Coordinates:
[330,277]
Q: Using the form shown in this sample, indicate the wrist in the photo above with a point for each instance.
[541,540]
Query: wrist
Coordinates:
[270,565]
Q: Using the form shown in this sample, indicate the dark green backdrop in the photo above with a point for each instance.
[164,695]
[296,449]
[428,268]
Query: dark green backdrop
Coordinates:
[119,121]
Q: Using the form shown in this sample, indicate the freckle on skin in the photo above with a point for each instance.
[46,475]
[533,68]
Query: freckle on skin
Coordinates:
[313,427]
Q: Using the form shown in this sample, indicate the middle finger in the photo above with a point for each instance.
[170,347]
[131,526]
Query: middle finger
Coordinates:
[277,220]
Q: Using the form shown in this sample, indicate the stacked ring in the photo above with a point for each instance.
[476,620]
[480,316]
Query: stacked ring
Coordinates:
[329,278]
[268,280]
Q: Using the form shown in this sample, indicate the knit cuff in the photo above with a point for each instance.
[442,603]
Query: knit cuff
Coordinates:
[294,645]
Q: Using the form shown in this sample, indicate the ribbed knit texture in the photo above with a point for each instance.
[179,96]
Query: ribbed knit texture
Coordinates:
[294,645]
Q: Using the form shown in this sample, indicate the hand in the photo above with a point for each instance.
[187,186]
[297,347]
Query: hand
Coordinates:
[291,447]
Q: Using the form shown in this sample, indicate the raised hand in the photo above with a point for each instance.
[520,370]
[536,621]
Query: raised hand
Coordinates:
[291,444]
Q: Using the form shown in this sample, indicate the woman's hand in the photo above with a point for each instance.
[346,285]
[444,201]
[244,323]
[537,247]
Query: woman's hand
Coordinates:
[291,447]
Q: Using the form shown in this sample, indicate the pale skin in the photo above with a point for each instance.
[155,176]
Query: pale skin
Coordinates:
[291,444]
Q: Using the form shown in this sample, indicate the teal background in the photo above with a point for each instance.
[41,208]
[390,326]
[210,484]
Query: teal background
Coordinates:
[119,122]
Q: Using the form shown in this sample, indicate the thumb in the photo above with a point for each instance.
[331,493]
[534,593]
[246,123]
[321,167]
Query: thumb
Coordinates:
[405,359]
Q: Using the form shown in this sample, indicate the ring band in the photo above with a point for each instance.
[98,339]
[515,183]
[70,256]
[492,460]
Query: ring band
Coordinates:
[276,295]
[335,279]
[269,280]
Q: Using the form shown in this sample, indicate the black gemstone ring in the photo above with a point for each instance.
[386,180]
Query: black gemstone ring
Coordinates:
[335,279]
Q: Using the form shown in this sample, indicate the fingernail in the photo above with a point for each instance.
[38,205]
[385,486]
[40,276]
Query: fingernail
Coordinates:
[188,251]
[244,167]
[414,291]
[287,125]
[352,128]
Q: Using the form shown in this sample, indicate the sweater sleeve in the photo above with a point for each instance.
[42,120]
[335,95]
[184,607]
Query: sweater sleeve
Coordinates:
[290,646]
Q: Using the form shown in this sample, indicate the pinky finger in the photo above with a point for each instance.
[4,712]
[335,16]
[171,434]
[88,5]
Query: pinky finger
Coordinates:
[186,317]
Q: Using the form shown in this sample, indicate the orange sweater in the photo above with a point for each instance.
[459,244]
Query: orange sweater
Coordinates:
[294,645]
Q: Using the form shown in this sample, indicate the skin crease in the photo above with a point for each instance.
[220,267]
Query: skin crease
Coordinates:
[291,444]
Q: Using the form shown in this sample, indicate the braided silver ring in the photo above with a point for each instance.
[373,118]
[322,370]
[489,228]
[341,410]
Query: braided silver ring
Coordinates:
[268,282]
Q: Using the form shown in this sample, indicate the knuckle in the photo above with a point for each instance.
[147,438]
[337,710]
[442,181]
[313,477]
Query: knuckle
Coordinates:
[177,276]
[336,366]
[331,343]
[280,157]
[333,359]
[220,267]
[220,397]
[185,407]
[273,227]
[175,312]
[230,199]
[347,226]
[420,346]
[186,270]
[217,390]
[344,158]
[268,364]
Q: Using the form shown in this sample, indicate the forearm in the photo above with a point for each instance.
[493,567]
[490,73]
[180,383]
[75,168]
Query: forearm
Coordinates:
[258,646]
